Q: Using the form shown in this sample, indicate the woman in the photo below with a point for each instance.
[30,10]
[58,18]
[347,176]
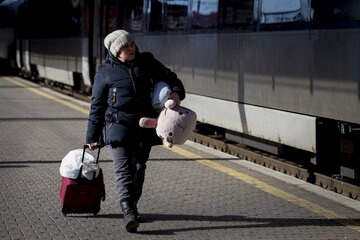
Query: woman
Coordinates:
[121,96]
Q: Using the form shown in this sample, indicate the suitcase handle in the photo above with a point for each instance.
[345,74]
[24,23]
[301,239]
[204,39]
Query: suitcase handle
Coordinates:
[83,155]
[98,155]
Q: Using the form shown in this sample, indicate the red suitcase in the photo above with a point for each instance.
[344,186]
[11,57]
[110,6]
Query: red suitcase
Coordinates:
[82,195]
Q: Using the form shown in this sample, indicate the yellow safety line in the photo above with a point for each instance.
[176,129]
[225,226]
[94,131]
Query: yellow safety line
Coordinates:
[313,207]
[66,103]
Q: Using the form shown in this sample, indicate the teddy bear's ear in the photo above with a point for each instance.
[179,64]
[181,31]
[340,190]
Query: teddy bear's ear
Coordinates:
[148,122]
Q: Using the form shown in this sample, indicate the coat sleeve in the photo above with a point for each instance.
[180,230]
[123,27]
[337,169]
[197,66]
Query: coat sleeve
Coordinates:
[98,107]
[161,73]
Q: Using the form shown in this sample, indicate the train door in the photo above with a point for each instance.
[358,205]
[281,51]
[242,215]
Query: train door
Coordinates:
[87,52]
[104,11]
[26,58]
[23,57]
[97,33]
[113,15]
[18,53]
[98,19]
[109,21]
[101,20]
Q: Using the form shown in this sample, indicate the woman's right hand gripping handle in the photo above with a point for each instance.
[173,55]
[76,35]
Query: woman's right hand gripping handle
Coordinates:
[93,146]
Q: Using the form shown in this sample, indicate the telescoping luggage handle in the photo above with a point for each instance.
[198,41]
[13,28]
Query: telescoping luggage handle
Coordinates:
[98,154]
[83,155]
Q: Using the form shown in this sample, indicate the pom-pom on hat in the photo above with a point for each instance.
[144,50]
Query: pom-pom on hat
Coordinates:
[116,40]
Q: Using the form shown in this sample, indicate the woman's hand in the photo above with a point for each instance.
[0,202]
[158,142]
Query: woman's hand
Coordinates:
[92,146]
[175,96]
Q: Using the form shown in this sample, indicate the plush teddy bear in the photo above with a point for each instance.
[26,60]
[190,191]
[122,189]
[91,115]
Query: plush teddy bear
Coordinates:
[174,124]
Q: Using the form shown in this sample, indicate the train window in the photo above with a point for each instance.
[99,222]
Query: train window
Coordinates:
[283,14]
[75,15]
[235,14]
[154,9]
[166,15]
[175,15]
[204,14]
[300,14]
[280,11]
[336,14]
[131,14]
[38,18]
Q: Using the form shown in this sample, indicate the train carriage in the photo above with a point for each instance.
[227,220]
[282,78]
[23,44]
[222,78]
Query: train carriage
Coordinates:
[279,75]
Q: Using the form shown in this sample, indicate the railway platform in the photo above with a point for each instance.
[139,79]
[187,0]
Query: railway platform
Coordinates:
[190,191]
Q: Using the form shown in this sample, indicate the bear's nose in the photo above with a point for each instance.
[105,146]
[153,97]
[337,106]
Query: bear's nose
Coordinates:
[170,140]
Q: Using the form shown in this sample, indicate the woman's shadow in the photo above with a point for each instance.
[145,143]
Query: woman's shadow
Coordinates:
[236,222]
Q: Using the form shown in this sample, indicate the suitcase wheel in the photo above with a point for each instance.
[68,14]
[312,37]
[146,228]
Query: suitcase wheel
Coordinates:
[64,211]
[96,211]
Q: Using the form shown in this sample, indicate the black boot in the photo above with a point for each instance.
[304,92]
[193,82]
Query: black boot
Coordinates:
[131,223]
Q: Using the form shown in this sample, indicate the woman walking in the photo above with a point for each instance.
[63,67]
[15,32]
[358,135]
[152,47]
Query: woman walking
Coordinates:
[121,96]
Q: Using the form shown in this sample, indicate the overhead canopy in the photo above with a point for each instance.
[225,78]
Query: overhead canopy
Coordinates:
[10,6]
[8,12]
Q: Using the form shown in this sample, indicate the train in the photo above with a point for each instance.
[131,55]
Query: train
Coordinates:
[282,76]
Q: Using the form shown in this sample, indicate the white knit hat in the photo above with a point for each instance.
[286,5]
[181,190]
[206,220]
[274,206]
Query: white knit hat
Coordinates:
[115,40]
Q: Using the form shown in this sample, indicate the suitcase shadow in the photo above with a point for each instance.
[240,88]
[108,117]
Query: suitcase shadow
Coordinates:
[89,215]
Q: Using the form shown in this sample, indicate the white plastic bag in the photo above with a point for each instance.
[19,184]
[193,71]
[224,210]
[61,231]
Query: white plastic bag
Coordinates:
[89,167]
[71,164]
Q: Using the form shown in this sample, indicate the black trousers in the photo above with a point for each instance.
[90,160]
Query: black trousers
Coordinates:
[130,165]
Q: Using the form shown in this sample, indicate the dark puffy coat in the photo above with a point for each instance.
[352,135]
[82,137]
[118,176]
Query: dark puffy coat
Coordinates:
[121,96]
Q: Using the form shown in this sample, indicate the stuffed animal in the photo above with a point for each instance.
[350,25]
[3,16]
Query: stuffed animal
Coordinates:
[174,124]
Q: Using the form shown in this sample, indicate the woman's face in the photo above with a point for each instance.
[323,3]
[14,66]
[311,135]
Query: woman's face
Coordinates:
[127,52]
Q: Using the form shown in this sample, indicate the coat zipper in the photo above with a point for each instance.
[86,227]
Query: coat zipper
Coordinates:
[132,79]
[114,94]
